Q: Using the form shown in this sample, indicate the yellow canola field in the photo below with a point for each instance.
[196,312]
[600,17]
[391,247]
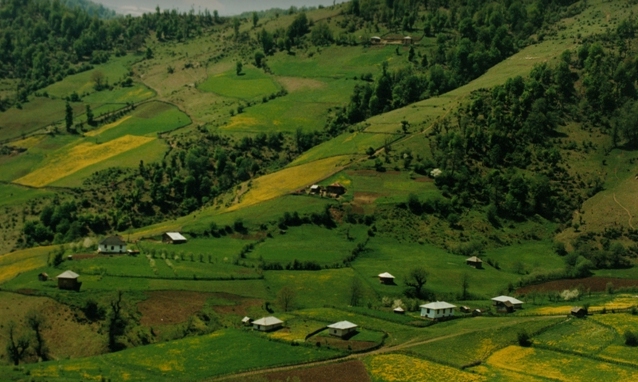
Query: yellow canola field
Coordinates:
[399,367]
[14,263]
[290,179]
[67,162]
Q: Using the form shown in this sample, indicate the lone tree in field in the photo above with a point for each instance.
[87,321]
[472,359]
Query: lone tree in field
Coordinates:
[465,285]
[16,348]
[89,116]
[286,298]
[238,68]
[356,292]
[98,79]
[416,278]
[631,339]
[116,322]
[524,339]
[37,322]
[68,116]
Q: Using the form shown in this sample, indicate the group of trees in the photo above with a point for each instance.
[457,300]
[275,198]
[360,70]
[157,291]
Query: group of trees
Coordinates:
[470,38]
[31,342]
[42,41]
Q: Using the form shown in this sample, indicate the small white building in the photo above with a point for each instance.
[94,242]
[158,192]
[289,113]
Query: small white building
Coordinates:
[342,328]
[507,304]
[267,324]
[438,309]
[246,320]
[399,310]
[386,278]
[112,244]
[173,238]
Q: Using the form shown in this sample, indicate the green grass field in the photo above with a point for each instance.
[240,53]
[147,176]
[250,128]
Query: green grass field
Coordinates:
[250,84]
[34,115]
[218,353]
[11,195]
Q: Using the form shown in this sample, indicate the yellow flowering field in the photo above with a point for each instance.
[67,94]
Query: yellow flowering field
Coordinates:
[558,366]
[289,179]
[570,335]
[67,162]
[399,367]
[14,263]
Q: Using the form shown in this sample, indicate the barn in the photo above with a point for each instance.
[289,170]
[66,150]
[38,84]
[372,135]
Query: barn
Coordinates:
[173,238]
[507,304]
[474,262]
[68,280]
[386,278]
[437,310]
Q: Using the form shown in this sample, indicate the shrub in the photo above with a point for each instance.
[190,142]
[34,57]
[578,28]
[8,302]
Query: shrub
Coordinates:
[524,339]
[631,339]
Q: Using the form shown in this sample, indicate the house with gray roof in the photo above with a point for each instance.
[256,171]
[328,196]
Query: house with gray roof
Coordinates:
[437,310]
[112,244]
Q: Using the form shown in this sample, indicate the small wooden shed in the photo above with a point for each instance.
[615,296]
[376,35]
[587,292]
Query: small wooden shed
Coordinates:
[342,329]
[375,40]
[43,276]
[399,310]
[407,40]
[474,262]
[465,309]
[246,320]
[336,188]
[386,278]
[578,311]
[507,304]
[68,280]
[173,238]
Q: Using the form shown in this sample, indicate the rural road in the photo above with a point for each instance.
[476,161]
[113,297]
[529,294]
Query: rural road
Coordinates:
[385,349]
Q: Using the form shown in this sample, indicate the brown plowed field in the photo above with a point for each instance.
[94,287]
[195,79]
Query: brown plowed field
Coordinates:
[174,307]
[595,284]
[350,371]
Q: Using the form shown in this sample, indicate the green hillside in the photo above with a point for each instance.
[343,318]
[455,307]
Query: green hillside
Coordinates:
[303,153]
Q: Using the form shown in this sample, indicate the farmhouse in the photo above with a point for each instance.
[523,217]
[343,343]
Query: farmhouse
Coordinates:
[173,238]
[68,280]
[267,324]
[342,329]
[336,188]
[112,244]
[506,304]
[474,262]
[386,278]
[438,309]
[465,309]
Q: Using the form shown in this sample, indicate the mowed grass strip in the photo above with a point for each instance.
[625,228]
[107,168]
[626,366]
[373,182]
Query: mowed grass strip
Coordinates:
[195,358]
[66,162]
[559,366]
[102,129]
[399,367]
[290,179]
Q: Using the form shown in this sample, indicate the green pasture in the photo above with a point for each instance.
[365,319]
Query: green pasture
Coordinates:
[316,288]
[305,107]
[114,70]
[152,151]
[120,95]
[218,248]
[336,62]
[223,352]
[309,243]
[147,120]
[534,256]
[445,270]
[250,84]
[34,115]
[480,341]
[12,195]
[349,143]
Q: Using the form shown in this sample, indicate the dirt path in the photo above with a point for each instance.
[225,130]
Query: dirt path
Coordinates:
[626,210]
[357,356]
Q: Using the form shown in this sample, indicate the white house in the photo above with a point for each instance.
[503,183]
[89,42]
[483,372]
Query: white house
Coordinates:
[173,238]
[386,278]
[507,303]
[342,328]
[266,324]
[437,309]
[112,244]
